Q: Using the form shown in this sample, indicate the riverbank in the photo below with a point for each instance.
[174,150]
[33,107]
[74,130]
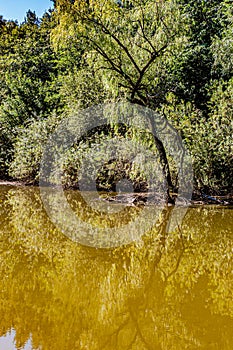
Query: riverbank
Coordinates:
[198,198]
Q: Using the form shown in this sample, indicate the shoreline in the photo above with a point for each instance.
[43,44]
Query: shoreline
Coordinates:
[197,199]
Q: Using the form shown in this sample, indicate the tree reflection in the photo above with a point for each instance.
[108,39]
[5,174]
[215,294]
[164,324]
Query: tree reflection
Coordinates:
[168,291]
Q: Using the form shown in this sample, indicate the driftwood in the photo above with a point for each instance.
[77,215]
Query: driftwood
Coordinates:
[158,198]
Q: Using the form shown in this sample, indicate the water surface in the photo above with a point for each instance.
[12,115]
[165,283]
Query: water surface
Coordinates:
[165,291]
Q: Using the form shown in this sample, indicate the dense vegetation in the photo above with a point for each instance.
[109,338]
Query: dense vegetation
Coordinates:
[175,57]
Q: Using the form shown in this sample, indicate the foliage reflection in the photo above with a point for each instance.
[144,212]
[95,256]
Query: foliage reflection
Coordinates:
[168,291]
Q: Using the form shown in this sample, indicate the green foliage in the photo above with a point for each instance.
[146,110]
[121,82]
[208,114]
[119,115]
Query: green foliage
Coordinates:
[82,88]
[30,74]
[172,56]
[6,139]
[208,140]
[28,148]
[194,69]
[29,89]
[126,44]
[222,47]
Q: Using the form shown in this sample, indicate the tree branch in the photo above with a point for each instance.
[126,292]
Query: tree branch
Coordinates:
[114,66]
[112,35]
[144,69]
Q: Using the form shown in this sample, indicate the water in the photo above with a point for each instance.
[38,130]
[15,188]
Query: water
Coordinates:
[166,291]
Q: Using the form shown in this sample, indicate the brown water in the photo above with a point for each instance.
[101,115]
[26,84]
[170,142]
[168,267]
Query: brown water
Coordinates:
[167,291]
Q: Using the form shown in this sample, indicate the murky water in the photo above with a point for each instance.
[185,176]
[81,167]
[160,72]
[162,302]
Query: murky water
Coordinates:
[166,291]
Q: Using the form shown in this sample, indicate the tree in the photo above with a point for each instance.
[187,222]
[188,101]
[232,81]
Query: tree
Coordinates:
[194,70]
[127,42]
[29,88]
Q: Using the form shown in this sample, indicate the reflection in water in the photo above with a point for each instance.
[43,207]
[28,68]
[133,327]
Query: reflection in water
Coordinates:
[168,291]
[7,342]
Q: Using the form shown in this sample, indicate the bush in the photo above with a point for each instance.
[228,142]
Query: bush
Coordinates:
[28,148]
[208,139]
